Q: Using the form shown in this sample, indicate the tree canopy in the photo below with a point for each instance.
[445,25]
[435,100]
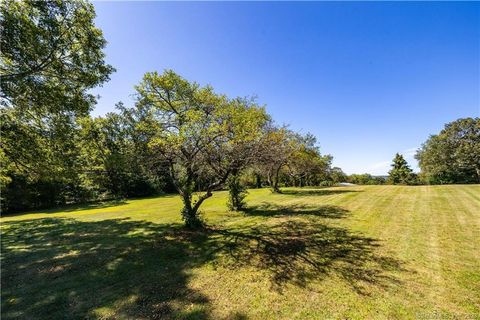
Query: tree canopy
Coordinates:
[52,55]
[199,134]
[453,155]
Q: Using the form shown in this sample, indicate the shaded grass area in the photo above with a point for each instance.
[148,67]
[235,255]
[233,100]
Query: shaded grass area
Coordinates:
[70,267]
[315,191]
[74,207]
[346,253]
[268,209]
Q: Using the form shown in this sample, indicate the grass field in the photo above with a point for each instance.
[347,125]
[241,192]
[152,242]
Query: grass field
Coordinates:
[348,252]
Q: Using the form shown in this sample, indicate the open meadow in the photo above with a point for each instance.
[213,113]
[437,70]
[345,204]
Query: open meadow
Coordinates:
[345,252]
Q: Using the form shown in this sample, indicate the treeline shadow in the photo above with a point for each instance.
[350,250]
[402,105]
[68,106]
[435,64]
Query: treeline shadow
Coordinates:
[82,206]
[89,206]
[71,207]
[64,268]
[267,209]
[316,192]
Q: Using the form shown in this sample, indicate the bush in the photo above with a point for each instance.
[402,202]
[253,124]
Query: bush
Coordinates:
[237,194]
[326,183]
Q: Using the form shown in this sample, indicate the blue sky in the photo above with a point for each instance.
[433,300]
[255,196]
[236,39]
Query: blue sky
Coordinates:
[368,79]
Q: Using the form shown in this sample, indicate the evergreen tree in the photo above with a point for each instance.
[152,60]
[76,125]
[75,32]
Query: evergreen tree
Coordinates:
[401,173]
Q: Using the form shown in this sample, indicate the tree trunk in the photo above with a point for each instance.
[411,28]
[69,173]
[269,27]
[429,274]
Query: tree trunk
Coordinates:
[269,178]
[258,181]
[189,212]
[276,189]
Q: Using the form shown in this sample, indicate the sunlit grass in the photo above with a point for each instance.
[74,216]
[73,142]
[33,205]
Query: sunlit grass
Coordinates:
[349,252]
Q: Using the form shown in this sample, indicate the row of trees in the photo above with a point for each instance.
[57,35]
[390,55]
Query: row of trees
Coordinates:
[51,57]
[452,156]
[179,136]
[206,140]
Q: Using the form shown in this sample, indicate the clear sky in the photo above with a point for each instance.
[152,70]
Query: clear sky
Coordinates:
[368,79]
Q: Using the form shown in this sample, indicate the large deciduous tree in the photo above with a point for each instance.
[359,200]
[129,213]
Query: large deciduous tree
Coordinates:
[112,156]
[337,175]
[279,144]
[51,57]
[202,136]
[452,156]
[306,166]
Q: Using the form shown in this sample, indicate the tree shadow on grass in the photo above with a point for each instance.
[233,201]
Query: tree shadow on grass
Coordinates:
[298,252]
[267,209]
[90,205]
[315,192]
[72,207]
[64,268]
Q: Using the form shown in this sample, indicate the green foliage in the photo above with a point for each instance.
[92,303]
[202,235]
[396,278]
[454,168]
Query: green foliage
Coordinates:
[365,179]
[400,173]
[278,146]
[337,175]
[306,166]
[201,136]
[51,57]
[326,183]
[113,156]
[290,158]
[452,156]
[237,193]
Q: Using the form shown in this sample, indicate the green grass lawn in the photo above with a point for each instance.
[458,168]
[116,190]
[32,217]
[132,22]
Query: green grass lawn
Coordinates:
[348,252]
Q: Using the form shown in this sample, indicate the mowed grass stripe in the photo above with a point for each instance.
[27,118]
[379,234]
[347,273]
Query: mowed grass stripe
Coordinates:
[465,272]
[470,197]
[472,191]
[445,246]
[366,211]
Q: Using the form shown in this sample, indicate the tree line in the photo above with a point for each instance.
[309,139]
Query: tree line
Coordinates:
[452,156]
[178,136]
